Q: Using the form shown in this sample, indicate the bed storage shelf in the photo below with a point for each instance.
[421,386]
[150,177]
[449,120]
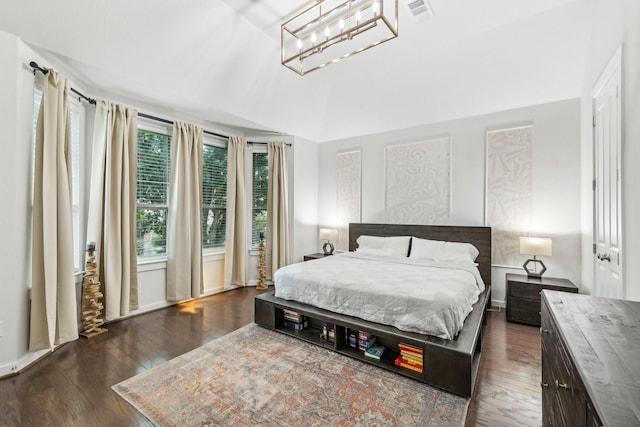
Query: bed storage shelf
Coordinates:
[451,365]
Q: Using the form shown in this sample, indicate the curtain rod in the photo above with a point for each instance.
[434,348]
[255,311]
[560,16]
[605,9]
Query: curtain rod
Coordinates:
[169,122]
[44,71]
[34,65]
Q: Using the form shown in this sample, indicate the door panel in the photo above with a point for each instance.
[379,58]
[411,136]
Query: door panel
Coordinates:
[607,140]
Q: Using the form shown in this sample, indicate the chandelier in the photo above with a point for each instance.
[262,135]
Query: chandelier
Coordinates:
[331,30]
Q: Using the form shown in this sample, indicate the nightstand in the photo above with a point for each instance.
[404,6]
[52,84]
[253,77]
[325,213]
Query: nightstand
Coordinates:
[317,255]
[523,296]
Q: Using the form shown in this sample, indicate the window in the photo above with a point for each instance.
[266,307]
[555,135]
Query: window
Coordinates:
[259,200]
[151,198]
[214,196]
[76,116]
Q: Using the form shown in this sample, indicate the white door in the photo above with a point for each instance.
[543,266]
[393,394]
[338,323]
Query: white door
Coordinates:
[607,144]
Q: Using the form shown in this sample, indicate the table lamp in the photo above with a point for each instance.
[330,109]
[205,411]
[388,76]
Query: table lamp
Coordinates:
[535,246]
[328,234]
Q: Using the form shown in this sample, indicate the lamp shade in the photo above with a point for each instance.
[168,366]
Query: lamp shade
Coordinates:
[328,234]
[535,246]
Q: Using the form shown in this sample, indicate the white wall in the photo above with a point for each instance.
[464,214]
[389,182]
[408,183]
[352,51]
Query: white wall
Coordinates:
[616,22]
[305,195]
[556,177]
[16,114]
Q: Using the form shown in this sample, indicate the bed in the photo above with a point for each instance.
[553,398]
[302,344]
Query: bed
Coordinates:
[451,349]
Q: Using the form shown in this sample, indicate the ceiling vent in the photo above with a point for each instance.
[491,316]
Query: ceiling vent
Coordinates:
[420,8]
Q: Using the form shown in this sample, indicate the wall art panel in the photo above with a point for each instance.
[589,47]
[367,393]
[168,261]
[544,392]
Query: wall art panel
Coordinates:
[349,192]
[509,183]
[418,183]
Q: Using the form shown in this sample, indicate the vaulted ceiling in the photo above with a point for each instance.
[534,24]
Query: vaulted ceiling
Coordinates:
[217,61]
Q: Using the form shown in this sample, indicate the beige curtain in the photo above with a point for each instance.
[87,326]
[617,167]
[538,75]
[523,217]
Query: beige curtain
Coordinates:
[184,237]
[112,206]
[277,244]
[235,260]
[53,295]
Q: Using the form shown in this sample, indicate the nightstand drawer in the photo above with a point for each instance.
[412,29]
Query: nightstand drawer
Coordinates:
[525,290]
[524,311]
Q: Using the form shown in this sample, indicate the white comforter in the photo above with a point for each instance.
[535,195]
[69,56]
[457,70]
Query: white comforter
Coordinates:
[414,296]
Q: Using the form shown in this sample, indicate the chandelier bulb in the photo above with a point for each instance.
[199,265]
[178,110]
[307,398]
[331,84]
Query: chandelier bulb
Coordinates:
[376,7]
[313,37]
[299,43]
[341,24]
[327,32]
[358,16]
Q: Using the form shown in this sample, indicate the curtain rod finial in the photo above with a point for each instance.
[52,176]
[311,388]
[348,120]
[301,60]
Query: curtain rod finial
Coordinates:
[35,66]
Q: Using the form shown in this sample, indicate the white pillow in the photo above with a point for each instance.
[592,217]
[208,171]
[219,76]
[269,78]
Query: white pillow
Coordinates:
[436,250]
[425,249]
[397,246]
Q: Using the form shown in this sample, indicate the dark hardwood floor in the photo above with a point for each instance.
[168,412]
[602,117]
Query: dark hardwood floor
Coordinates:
[508,390]
[72,387]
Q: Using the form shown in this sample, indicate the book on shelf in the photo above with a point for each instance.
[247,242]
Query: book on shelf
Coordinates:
[296,326]
[328,333]
[350,337]
[410,349]
[363,345]
[402,363]
[375,351]
[412,357]
[293,316]
[365,340]
[411,361]
[411,353]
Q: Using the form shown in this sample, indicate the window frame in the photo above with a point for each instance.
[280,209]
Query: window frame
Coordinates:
[219,143]
[252,148]
[149,125]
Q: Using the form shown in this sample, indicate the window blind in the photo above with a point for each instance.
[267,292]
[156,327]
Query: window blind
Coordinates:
[260,194]
[151,193]
[214,196]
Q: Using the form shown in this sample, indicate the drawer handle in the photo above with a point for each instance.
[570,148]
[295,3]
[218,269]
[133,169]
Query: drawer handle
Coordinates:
[540,293]
[560,385]
[544,385]
[543,330]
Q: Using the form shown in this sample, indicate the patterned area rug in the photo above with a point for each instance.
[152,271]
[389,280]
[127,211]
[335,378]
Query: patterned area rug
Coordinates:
[257,377]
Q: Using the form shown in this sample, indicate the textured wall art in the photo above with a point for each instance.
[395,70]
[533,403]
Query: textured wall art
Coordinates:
[418,183]
[349,194]
[509,191]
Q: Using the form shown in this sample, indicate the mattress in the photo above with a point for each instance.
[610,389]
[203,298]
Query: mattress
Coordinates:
[413,295]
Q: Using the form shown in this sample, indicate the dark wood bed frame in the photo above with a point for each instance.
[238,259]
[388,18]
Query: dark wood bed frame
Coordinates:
[451,365]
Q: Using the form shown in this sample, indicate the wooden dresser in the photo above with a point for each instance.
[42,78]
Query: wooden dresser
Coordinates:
[590,360]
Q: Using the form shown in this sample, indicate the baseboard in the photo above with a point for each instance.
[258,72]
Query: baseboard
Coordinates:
[255,282]
[497,305]
[19,366]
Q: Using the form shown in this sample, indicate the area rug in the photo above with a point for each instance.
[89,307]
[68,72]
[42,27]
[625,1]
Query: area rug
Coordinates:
[257,377]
